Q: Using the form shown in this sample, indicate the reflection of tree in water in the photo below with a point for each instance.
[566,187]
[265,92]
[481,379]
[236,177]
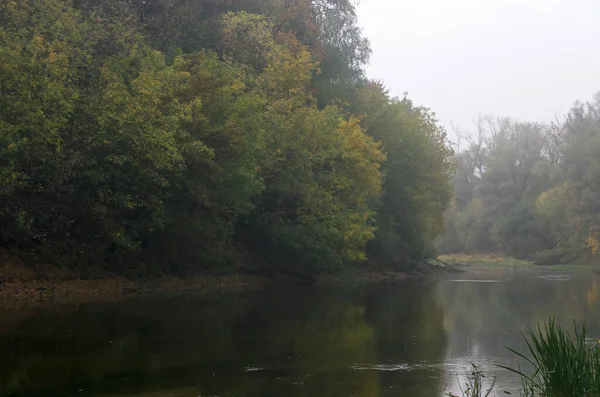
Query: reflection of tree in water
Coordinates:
[408,322]
[126,345]
[482,318]
[295,342]
[494,314]
[303,340]
[312,337]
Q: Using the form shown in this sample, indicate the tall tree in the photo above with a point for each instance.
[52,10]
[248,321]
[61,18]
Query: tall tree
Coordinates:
[416,188]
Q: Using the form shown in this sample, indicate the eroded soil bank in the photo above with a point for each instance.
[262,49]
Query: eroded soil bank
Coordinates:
[21,285]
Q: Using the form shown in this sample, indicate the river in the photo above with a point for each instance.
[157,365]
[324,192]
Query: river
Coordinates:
[408,338]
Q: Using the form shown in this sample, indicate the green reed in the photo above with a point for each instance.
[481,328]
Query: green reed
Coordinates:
[474,385]
[564,365]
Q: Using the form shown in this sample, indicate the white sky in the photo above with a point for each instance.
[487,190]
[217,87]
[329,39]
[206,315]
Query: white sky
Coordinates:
[528,59]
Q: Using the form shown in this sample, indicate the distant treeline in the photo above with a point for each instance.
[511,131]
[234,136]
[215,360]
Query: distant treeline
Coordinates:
[529,190]
[209,135]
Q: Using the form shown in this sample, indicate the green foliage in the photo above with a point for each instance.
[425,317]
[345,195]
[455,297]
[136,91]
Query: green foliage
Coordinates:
[37,101]
[529,190]
[247,39]
[181,136]
[321,178]
[416,188]
[220,144]
[563,365]
[320,171]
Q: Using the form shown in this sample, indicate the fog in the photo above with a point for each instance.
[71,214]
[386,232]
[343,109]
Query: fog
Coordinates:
[528,59]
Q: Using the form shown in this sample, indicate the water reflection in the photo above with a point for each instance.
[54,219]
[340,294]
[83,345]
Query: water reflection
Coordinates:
[482,319]
[397,339]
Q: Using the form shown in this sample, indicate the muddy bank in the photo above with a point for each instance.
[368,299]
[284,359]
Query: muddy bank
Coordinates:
[24,285]
[21,285]
[20,292]
[40,291]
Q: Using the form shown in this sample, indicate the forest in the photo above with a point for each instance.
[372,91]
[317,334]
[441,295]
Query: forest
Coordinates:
[528,190]
[185,136]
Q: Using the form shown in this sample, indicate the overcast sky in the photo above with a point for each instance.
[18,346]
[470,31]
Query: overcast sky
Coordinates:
[528,59]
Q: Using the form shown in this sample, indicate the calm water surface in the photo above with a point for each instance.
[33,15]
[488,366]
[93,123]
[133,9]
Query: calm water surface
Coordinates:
[407,338]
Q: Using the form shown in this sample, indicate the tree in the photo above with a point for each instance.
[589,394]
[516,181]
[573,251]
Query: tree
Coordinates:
[416,188]
[321,172]
[141,137]
[37,101]
[536,194]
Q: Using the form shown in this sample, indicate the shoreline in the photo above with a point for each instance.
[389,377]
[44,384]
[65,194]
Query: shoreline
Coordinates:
[23,285]
[34,290]
[111,289]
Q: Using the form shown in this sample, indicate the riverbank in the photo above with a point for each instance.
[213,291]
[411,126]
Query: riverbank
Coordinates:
[23,285]
[467,260]
[44,291]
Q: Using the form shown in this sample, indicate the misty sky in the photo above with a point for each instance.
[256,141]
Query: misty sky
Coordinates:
[528,59]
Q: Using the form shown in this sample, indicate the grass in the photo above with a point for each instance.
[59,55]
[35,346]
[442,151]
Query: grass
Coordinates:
[483,260]
[498,260]
[564,365]
[474,385]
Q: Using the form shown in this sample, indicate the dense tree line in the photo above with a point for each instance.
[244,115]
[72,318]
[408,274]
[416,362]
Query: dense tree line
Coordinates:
[527,189]
[202,135]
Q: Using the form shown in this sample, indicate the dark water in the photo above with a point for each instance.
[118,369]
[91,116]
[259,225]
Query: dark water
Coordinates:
[394,339]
